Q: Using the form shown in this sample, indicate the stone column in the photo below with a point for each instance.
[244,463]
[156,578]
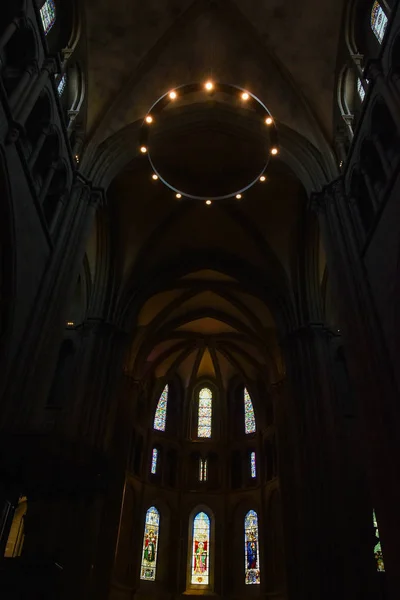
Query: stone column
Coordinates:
[319,534]
[371,370]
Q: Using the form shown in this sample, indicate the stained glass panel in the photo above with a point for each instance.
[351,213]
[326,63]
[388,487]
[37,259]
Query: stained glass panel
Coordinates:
[62,85]
[203,469]
[150,545]
[154,458]
[201,550]
[205,413]
[48,15]
[253,470]
[379,21]
[360,89]
[380,565]
[249,419]
[251,549]
[160,418]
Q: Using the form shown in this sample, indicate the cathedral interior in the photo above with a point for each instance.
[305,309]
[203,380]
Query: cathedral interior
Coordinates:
[199,331]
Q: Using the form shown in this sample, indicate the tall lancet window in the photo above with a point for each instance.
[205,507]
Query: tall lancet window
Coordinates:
[48,15]
[201,550]
[380,565]
[251,549]
[253,466]
[154,458]
[160,418]
[204,413]
[150,545]
[379,21]
[249,418]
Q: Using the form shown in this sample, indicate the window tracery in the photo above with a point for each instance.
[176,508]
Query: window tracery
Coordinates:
[48,15]
[249,418]
[201,550]
[379,21]
[251,549]
[360,90]
[160,417]
[204,413]
[150,545]
[62,85]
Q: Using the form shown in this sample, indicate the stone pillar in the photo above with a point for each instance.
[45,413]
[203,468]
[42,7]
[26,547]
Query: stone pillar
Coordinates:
[371,370]
[319,532]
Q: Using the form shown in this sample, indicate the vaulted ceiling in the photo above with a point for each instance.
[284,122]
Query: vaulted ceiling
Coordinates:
[205,289]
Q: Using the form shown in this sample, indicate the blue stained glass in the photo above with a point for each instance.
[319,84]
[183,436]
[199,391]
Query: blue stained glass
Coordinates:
[201,550]
[62,85]
[251,549]
[205,413]
[48,15]
[154,458]
[379,21]
[150,545]
[160,417]
[249,418]
[380,565]
[253,470]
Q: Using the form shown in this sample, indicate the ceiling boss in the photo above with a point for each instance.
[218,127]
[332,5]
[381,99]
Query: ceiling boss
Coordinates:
[238,95]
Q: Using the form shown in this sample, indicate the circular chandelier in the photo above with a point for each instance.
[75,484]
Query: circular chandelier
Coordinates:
[245,97]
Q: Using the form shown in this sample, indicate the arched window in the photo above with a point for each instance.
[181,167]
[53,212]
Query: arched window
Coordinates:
[380,565]
[154,457]
[150,545]
[249,419]
[379,21]
[160,417]
[204,413]
[360,89]
[203,469]
[253,468]
[201,550]
[48,15]
[251,549]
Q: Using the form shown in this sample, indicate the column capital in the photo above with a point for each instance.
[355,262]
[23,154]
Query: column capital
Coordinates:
[330,194]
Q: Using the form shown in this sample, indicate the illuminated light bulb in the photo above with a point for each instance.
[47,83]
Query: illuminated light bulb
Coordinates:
[245,96]
[70,323]
[262,178]
[238,196]
[155,177]
[209,86]
[179,196]
[274,151]
[143,149]
[268,121]
[149,119]
[172,95]
[208,202]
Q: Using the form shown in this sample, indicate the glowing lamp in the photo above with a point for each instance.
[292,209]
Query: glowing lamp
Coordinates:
[143,149]
[268,121]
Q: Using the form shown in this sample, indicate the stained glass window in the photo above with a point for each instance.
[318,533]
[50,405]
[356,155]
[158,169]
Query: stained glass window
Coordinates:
[160,417]
[251,549]
[48,15]
[62,85]
[203,467]
[249,419]
[379,21]
[360,89]
[205,413]
[253,470]
[380,565]
[154,458]
[150,544]
[201,550]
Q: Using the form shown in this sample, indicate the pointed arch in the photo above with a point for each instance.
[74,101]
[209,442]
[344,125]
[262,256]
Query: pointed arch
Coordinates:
[251,549]
[150,545]
[204,422]
[160,417]
[200,563]
[249,418]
